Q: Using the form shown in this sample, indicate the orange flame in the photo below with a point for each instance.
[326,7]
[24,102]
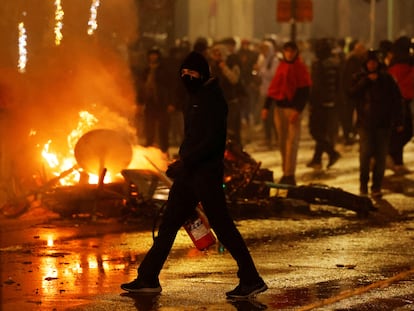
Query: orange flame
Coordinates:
[58,163]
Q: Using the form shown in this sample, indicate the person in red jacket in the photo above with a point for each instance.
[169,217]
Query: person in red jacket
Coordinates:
[289,93]
[402,69]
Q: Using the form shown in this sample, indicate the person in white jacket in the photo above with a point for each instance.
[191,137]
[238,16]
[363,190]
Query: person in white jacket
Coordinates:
[265,68]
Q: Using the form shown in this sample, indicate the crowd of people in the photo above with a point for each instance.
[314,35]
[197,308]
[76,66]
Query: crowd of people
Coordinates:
[365,95]
[352,95]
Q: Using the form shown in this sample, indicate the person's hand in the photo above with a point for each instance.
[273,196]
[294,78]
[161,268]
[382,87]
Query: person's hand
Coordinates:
[264,114]
[294,117]
[175,169]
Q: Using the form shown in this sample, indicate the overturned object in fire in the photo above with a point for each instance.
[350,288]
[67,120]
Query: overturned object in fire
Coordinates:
[246,183]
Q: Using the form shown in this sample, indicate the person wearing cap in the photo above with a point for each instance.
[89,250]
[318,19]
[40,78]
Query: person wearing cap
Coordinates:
[289,93]
[379,110]
[198,177]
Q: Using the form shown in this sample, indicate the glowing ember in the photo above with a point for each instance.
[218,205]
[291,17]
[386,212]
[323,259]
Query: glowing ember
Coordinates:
[58,22]
[92,24]
[22,48]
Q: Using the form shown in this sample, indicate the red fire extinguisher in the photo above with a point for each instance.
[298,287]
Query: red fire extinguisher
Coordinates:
[199,230]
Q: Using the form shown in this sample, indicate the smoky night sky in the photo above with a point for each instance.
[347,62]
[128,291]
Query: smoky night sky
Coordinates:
[84,72]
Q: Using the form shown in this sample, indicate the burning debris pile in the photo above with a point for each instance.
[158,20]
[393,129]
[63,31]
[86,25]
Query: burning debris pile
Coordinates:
[64,77]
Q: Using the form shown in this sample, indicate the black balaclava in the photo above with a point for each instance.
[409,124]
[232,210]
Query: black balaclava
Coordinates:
[195,61]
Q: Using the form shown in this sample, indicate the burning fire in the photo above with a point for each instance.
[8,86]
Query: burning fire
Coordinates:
[60,164]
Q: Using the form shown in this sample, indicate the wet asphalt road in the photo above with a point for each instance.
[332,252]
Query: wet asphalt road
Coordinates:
[324,258]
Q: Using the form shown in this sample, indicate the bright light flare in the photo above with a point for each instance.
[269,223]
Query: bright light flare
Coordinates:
[59,13]
[50,241]
[22,48]
[86,122]
[92,23]
[51,158]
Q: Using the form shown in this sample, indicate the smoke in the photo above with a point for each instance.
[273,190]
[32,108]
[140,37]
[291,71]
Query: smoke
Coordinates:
[84,72]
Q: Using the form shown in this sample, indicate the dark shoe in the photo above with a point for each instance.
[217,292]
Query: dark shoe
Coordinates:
[137,286]
[316,165]
[376,193]
[247,291]
[288,180]
[333,159]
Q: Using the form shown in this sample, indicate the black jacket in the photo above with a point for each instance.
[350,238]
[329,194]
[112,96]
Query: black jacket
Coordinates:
[325,82]
[205,127]
[379,102]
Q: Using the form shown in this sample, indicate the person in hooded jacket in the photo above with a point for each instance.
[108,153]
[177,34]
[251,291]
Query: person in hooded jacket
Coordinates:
[198,177]
[379,111]
[289,92]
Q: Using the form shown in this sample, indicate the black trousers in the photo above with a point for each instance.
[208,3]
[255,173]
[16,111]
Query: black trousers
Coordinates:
[323,125]
[205,186]
[373,144]
[346,117]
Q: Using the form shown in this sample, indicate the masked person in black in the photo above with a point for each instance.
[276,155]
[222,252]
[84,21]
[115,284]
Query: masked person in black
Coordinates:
[198,177]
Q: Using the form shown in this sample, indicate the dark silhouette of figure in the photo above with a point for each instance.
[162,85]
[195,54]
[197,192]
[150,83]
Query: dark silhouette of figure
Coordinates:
[154,100]
[402,69]
[379,110]
[323,104]
[198,177]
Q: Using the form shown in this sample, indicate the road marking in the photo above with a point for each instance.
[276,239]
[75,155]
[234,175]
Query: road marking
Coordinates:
[358,291]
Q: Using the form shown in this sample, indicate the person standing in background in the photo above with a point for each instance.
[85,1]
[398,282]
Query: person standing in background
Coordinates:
[265,68]
[353,63]
[289,92]
[402,69]
[154,100]
[247,58]
[379,110]
[324,95]
[226,68]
